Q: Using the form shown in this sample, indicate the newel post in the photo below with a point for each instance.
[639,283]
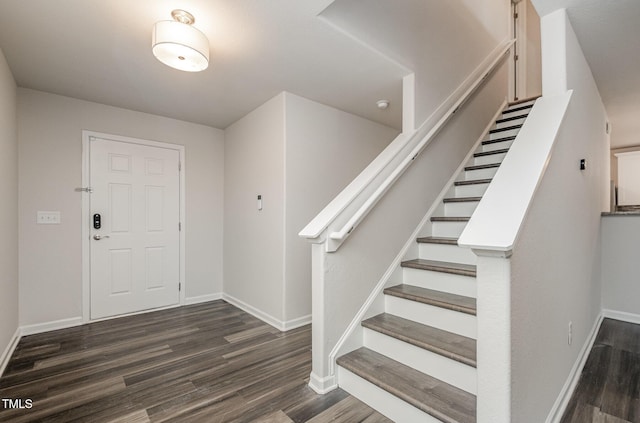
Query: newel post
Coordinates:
[322,380]
[494,336]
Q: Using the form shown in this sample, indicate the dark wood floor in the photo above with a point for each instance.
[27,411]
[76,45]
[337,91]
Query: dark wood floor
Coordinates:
[203,363]
[609,386]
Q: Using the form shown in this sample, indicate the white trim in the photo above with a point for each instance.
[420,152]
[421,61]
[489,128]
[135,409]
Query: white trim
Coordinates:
[202,298]
[49,326]
[8,352]
[281,325]
[296,323]
[621,315]
[322,385]
[574,375]
[86,256]
[395,264]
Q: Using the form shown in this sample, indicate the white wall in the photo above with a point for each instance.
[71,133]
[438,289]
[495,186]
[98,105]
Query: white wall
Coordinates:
[534,54]
[50,168]
[352,272]
[298,154]
[620,264]
[253,239]
[441,41]
[556,260]
[325,150]
[8,206]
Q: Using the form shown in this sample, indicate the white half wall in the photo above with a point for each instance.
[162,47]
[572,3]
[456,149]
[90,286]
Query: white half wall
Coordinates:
[620,264]
[8,208]
[325,150]
[50,148]
[556,259]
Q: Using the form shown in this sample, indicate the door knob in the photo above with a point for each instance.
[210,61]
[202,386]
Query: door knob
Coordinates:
[98,237]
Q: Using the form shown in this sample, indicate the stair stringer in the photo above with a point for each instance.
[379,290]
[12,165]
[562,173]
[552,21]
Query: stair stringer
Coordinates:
[352,338]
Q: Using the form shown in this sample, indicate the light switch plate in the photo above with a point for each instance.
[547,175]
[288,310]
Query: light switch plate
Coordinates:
[48,218]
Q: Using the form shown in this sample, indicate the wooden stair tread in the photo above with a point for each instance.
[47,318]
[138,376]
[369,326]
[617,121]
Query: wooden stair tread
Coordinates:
[441,266]
[461,199]
[440,299]
[449,219]
[490,153]
[506,128]
[437,240]
[447,344]
[518,109]
[484,166]
[432,396]
[510,118]
[473,182]
[497,140]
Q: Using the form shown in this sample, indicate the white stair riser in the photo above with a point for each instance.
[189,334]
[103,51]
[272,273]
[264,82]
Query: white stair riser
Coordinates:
[448,229]
[461,209]
[446,252]
[503,134]
[497,145]
[474,190]
[471,175]
[439,281]
[510,122]
[442,368]
[490,159]
[381,400]
[437,317]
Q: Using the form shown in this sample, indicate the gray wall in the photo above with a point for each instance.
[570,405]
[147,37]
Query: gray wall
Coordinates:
[621,264]
[50,168]
[8,207]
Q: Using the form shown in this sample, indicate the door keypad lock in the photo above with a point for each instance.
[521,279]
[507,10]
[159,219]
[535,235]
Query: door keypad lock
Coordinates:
[97,221]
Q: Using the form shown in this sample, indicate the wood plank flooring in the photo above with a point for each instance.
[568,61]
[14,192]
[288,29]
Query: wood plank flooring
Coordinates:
[203,363]
[609,387]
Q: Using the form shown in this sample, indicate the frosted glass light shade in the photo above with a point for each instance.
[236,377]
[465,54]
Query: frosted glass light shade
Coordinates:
[180,46]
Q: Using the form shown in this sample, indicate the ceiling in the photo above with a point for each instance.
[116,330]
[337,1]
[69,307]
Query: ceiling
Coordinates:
[100,51]
[609,33]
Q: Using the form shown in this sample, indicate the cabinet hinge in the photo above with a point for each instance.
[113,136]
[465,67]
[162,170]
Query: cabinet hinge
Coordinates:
[516,57]
[515,15]
[179,226]
[179,166]
[179,286]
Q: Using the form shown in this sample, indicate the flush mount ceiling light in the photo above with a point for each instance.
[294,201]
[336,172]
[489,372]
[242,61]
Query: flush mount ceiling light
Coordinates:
[179,44]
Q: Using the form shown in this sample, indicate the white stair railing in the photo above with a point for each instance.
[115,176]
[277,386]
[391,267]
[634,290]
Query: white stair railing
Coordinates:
[338,219]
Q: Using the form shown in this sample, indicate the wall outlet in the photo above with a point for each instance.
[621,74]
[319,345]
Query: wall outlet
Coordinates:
[570,336]
[48,218]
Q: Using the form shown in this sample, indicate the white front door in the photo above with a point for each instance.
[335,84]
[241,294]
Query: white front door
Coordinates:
[135,253]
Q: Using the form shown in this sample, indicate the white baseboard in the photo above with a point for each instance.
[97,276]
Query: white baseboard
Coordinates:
[296,323]
[570,385]
[322,385]
[8,352]
[282,326]
[203,298]
[49,326]
[621,315]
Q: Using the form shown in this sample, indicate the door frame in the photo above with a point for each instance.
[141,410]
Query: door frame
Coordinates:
[518,70]
[86,218]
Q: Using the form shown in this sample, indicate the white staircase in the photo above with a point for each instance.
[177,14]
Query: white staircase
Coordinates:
[418,362]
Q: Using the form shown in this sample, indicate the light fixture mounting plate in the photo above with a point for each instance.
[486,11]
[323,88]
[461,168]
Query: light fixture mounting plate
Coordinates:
[183,16]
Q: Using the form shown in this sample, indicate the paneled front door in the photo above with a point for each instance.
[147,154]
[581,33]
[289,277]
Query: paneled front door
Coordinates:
[135,239]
